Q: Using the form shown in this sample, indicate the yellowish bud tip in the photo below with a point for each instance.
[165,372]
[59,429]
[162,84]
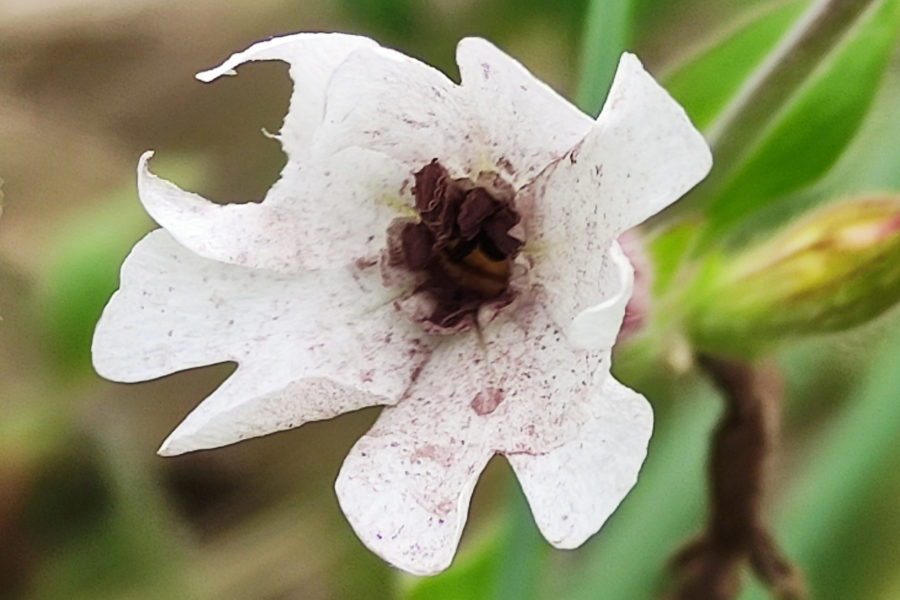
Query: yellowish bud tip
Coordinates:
[833,270]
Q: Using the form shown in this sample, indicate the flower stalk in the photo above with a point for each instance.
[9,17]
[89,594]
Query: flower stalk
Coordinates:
[741,453]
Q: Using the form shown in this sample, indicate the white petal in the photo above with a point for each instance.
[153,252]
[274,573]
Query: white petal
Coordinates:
[388,102]
[302,343]
[598,325]
[312,57]
[641,156]
[405,486]
[540,384]
[587,287]
[257,401]
[526,125]
[333,213]
[573,489]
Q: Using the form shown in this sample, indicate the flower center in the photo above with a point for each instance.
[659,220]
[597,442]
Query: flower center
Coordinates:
[461,247]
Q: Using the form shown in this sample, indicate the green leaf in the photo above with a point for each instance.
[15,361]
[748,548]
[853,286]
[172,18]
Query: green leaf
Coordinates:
[82,267]
[667,250]
[607,33]
[705,83]
[805,138]
[521,554]
[82,273]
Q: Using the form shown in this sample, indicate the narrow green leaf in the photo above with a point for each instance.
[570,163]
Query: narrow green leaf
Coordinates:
[667,250]
[707,80]
[607,34]
[805,138]
[82,272]
[82,267]
[521,554]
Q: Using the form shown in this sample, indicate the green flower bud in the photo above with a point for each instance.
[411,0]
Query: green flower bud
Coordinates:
[836,269]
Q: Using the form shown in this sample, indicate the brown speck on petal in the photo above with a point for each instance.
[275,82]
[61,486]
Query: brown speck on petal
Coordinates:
[487,401]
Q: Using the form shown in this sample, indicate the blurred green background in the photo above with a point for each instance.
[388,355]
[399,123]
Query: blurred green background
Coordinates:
[87,510]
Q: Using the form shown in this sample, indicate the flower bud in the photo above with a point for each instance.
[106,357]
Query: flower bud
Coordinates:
[836,269]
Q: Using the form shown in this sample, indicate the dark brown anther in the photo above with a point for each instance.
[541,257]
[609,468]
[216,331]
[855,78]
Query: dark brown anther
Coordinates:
[497,231]
[461,243]
[477,206]
[418,246]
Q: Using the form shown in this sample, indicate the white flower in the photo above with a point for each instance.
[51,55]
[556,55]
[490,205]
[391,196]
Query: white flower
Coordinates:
[485,329]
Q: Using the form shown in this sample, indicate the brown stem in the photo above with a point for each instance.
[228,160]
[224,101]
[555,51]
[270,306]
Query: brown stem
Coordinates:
[742,448]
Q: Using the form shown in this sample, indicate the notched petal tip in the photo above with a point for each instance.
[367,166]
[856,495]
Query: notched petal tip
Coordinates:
[574,489]
[166,449]
[476,46]
[264,50]
[169,205]
[698,151]
[211,75]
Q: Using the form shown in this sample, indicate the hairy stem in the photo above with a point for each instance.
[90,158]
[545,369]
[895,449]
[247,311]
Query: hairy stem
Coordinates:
[741,452]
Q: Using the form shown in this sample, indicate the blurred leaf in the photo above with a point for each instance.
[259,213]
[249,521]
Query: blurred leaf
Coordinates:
[127,546]
[504,564]
[705,83]
[83,266]
[395,18]
[666,250]
[521,554]
[471,577]
[81,275]
[871,162]
[806,136]
[607,33]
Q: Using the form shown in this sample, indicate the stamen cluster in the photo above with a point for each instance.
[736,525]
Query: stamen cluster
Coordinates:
[462,241]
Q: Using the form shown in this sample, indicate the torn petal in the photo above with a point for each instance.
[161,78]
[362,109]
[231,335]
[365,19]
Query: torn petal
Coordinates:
[573,489]
[405,486]
[312,57]
[175,311]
